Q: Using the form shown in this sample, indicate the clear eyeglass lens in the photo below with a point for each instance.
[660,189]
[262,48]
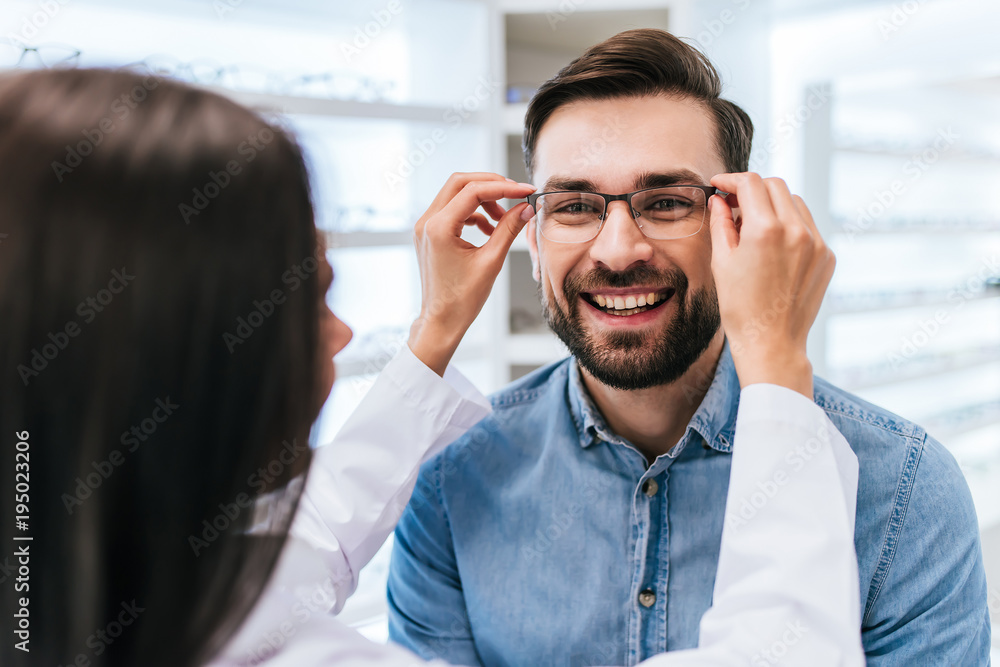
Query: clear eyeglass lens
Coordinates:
[570,217]
[55,56]
[671,213]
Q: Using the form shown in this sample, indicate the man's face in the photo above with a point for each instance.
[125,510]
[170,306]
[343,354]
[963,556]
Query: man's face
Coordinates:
[617,146]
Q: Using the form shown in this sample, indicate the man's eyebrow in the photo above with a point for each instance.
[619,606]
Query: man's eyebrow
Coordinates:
[644,180]
[558,183]
[665,178]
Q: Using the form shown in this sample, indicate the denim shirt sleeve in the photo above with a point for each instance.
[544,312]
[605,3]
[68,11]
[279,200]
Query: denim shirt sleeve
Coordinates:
[927,604]
[426,603]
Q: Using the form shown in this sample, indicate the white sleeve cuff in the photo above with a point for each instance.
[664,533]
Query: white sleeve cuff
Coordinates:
[771,402]
[774,405]
[452,399]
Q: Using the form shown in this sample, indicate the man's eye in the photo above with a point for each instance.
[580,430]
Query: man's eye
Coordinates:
[670,204]
[576,208]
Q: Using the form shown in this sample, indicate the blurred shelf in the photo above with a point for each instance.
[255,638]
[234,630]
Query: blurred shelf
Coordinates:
[846,304]
[513,118]
[562,8]
[913,368]
[950,152]
[336,240]
[896,226]
[534,349]
[986,497]
[946,425]
[520,244]
[318,106]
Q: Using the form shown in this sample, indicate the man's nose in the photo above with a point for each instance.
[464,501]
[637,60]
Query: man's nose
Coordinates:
[621,243]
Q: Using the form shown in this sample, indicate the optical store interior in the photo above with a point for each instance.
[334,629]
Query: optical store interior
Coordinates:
[883,116]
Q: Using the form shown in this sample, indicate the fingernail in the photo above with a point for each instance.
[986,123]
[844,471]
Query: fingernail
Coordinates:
[527,185]
[512,180]
[527,213]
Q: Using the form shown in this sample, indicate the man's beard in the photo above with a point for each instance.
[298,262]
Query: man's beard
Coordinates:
[632,360]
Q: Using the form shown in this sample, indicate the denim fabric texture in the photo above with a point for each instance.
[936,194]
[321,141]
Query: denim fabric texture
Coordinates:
[542,538]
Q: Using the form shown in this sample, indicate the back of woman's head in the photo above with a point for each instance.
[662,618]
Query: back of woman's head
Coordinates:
[159,307]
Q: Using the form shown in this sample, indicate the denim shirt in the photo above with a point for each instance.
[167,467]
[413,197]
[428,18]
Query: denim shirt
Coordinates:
[542,538]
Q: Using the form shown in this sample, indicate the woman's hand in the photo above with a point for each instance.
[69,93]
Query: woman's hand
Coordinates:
[771,273]
[456,276]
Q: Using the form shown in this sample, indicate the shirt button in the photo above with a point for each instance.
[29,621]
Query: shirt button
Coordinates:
[647,598]
[650,487]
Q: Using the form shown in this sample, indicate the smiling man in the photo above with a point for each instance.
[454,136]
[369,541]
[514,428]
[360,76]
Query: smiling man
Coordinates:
[583,517]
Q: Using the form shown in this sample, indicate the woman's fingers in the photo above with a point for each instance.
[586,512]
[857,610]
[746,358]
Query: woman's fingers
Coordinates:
[783,204]
[779,269]
[751,196]
[493,209]
[480,222]
[454,271]
[509,226]
[475,194]
[454,185]
[807,217]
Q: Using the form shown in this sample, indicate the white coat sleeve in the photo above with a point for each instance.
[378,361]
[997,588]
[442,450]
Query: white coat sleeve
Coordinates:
[359,484]
[356,490]
[786,591]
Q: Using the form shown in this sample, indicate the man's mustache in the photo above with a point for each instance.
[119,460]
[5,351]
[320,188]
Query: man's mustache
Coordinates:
[601,277]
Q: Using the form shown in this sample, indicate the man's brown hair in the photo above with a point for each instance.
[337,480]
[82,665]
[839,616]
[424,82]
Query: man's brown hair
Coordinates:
[640,63]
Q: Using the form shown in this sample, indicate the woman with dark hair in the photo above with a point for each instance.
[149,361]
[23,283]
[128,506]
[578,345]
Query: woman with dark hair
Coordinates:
[146,404]
[166,347]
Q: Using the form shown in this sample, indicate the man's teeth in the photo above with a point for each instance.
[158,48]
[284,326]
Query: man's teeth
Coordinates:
[627,302]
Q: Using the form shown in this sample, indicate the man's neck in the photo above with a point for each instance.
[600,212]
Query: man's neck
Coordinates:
[654,419]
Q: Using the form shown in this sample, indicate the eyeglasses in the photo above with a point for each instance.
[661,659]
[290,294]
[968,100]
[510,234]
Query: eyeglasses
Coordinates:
[671,212]
[15,54]
[341,85]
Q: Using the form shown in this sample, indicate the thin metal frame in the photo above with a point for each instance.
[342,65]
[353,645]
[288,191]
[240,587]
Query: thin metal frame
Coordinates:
[627,198]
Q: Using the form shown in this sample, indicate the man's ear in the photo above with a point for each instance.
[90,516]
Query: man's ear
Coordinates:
[533,250]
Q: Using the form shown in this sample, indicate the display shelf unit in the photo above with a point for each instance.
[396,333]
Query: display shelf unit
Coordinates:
[850,303]
[863,376]
[319,106]
[951,233]
[913,226]
[362,239]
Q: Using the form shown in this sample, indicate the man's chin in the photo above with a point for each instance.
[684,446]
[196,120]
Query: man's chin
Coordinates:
[623,370]
[634,358]
[627,360]
[626,342]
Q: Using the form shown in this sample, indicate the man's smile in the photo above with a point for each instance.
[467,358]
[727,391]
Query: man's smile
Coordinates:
[628,306]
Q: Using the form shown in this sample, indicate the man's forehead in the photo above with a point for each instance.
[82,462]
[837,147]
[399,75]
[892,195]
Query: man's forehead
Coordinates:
[627,143]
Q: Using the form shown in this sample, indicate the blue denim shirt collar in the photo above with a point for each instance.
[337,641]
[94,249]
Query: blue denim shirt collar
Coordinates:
[714,420]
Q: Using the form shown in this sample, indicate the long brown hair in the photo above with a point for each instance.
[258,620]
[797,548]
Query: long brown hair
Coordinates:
[147,227]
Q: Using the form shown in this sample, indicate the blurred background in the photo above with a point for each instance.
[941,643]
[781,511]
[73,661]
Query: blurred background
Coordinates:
[884,116]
